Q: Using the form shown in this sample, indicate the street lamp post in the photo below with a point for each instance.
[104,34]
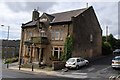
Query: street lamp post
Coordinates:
[7,39]
[8,31]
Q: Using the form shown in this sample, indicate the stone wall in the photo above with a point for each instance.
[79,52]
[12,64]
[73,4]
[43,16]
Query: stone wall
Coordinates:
[58,65]
[85,25]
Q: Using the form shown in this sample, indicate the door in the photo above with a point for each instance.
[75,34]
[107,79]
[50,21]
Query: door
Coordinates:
[80,62]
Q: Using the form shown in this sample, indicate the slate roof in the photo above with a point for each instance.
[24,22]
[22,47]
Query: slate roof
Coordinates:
[59,17]
[66,16]
[31,23]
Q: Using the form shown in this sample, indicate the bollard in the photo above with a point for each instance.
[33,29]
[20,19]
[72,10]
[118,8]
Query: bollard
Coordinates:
[32,67]
[7,65]
[19,67]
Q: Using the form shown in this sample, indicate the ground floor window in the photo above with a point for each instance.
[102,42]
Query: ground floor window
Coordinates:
[57,51]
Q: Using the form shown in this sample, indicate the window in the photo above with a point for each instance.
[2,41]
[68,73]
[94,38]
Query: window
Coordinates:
[61,35]
[57,51]
[30,33]
[91,37]
[78,60]
[56,35]
[43,20]
[52,35]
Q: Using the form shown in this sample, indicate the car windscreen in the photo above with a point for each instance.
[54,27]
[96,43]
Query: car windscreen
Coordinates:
[117,50]
[71,60]
[118,58]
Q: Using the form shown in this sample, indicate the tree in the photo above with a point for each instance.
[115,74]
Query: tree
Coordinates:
[106,48]
[109,45]
[118,44]
[112,41]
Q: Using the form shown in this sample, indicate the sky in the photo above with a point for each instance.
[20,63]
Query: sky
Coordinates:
[14,13]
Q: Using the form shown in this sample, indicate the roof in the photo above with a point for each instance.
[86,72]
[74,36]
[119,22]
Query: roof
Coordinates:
[30,23]
[59,17]
[66,16]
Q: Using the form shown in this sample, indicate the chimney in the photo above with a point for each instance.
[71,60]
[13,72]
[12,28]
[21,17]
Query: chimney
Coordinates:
[86,5]
[35,15]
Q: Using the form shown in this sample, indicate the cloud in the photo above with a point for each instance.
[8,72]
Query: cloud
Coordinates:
[28,6]
[66,6]
[15,13]
[107,14]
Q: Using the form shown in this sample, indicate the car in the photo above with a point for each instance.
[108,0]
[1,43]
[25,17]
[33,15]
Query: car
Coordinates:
[116,51]
[76,62]
[116,62]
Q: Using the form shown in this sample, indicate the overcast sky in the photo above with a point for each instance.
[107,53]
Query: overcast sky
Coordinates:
[13,14]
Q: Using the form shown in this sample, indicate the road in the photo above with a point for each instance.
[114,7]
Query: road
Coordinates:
[8,74]
[99,68]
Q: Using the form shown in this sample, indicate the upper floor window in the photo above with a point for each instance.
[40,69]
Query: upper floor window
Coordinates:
[57,35]
[43,20]
[30,33]
[91,38]
[43,33]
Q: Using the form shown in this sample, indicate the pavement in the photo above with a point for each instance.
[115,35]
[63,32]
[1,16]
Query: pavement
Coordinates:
[59,73]
[29,70]
[90,73]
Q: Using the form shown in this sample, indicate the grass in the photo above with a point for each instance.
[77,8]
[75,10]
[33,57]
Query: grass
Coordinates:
[11,60]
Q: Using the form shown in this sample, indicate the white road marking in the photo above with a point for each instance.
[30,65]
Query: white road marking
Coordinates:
[73,76]
[8,76]
[103,69]
[90,69]
[79,73]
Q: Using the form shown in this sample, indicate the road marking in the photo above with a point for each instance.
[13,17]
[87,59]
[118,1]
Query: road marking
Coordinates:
[103,69]
[8,76]
[73,76]
[80,73]
[90,69]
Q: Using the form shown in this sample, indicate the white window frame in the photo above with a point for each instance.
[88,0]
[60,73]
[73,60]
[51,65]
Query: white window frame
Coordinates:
[56,34]
[53,49]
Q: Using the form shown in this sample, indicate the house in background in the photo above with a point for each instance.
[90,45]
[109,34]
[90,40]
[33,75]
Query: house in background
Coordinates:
[45,36]
[9,48]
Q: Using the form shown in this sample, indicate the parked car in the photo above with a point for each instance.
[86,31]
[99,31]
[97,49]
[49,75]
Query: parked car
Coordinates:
[116,51]
[116,62]
[76,62]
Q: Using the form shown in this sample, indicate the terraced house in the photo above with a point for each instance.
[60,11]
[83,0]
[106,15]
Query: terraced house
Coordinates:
[45,36]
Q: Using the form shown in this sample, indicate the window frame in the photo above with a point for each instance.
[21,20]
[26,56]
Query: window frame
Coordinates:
[57,34]
[60,50]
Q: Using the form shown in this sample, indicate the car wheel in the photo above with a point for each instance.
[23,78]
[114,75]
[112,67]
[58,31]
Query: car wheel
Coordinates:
[113,67]
[87,63]
[77,67]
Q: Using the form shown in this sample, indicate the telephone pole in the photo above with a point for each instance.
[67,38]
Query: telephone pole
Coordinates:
[106,33]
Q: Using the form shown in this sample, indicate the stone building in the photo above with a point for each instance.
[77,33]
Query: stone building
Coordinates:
[9,48]
[45,36]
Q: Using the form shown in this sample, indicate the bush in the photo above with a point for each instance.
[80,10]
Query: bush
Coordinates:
[106,48]
[11,60]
